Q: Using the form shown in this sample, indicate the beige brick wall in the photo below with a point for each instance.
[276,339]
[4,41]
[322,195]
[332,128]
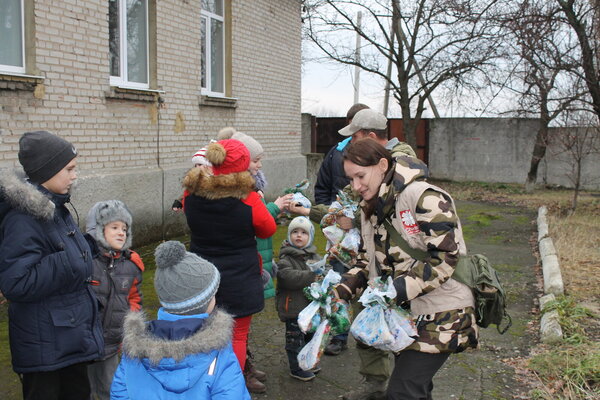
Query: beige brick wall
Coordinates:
[71,46]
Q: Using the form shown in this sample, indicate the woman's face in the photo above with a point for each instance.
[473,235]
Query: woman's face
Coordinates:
[366,180]
[255,165]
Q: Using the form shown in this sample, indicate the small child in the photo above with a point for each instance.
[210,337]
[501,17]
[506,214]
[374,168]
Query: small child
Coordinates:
[186,353]
[294,275]
[116,279]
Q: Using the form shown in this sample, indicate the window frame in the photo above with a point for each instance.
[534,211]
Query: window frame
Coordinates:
[206,56]
[11,69]
[122,81]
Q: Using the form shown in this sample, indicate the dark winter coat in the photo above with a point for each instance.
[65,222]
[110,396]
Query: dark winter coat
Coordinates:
[293,276]
[224,215]
[117,280]
[45,270]
[331,177]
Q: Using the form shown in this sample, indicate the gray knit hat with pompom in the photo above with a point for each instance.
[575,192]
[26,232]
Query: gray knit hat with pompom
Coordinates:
[185,283]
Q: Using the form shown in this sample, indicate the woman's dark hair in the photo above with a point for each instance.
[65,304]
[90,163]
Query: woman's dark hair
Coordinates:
[366,153]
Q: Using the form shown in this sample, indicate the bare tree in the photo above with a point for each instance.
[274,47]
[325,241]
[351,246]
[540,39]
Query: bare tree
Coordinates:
[574,145]
[544,75]
[430,43]
[582,17]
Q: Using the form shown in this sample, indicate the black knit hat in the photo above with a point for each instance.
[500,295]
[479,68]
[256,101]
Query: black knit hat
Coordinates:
[43,155]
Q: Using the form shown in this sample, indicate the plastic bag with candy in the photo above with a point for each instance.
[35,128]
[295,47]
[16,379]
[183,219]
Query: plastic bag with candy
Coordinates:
[341,244]
[382,324]
[309,317]
[340,317]
[318,267]
[401,327]
[298,194]
[311,353]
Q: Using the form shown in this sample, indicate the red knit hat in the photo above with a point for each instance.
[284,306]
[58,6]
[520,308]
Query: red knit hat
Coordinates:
[228,156]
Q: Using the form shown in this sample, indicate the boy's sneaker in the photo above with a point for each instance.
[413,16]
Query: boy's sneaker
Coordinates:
[302,375]
[316,369]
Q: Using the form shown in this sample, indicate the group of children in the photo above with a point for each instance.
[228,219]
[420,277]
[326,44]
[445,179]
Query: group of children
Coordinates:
[75,299]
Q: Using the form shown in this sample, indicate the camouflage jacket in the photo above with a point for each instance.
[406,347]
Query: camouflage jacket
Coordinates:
[426,219]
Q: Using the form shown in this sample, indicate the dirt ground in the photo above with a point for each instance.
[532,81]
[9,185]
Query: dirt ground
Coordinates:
[498,231]
[502,233]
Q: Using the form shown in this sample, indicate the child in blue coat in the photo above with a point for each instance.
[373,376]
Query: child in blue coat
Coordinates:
[186,353]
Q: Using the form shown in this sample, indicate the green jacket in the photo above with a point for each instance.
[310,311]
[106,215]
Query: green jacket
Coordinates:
[293,275]
[265,248]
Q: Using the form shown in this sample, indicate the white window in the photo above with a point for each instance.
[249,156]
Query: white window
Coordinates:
[212,43]
[128,43]
[12,36]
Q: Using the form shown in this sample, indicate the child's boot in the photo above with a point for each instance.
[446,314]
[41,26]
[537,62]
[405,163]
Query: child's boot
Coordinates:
[254,385]
[251,368]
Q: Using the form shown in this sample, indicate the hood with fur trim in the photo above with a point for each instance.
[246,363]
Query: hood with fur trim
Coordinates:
[16,193]
[201,182]
[139,343]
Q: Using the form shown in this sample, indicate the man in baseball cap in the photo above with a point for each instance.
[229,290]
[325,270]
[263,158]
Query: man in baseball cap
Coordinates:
[366,123]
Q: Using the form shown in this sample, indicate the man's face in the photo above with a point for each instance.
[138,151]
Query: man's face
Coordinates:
[63,180]
[358,135]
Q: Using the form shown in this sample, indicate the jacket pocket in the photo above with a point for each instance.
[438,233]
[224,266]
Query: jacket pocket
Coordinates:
[72,330]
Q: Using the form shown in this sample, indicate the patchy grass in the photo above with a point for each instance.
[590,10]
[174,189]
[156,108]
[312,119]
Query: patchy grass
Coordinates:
[570,370]
[577,242]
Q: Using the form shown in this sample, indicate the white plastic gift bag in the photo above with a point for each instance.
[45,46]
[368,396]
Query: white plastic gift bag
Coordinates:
[311,353]
[382,324]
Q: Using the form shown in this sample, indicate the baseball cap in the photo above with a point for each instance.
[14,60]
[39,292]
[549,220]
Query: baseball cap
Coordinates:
[365,119]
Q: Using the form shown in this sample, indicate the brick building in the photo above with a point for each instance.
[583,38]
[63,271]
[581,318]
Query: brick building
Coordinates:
[139,85]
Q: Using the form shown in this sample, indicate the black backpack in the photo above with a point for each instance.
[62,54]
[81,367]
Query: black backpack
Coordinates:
[476,272]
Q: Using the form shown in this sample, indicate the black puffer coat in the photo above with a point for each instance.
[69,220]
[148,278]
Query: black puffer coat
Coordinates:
[45,269]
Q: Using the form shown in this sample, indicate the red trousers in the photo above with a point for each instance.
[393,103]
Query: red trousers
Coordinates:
[241,329]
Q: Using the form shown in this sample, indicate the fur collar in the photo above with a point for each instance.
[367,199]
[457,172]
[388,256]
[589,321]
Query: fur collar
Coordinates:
[201,182]
[261,181]
[16,193]
[138,343]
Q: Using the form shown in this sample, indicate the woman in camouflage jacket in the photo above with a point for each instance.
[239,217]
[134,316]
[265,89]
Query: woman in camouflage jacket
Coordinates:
[395,196]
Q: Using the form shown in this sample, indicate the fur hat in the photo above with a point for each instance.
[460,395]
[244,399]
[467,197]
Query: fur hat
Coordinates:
[228,156]
[255,149]
[103,213]
[185,283]
[43,155]
[304,224]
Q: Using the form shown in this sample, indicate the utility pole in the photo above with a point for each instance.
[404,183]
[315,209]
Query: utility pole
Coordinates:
[357,59]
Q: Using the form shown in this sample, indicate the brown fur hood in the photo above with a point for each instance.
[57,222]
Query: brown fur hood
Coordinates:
[201,182]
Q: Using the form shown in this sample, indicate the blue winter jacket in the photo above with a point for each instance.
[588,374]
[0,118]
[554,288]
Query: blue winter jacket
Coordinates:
[179,357]
[45,266]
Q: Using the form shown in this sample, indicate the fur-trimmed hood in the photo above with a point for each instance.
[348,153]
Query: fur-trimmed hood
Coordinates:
[139,343]
[260,181]
[201,182]
[17,193]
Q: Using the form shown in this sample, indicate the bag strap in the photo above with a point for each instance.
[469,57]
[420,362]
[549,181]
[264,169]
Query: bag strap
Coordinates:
[417,254]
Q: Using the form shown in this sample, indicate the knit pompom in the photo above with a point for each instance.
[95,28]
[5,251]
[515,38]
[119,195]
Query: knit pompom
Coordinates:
[169,253]
[226,133]
[216,153]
